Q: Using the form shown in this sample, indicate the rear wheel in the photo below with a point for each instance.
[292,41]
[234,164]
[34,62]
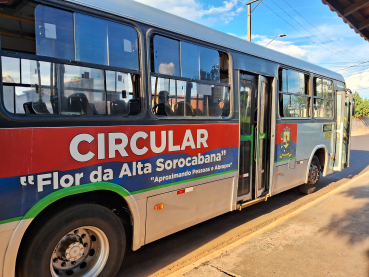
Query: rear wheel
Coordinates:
[83,240]
[313,178]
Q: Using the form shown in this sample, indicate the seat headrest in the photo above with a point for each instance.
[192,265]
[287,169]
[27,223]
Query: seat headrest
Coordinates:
[163,96]
[119,107]
[78,102]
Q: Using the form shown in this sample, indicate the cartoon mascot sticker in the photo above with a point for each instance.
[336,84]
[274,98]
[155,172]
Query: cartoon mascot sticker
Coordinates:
[286,140]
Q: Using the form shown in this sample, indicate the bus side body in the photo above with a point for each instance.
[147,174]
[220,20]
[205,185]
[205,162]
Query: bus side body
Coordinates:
[161,151]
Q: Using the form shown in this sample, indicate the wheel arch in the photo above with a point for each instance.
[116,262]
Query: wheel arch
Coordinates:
[69,195]
[321,152]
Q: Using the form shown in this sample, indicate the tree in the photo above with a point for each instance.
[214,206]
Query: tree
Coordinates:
[361,106]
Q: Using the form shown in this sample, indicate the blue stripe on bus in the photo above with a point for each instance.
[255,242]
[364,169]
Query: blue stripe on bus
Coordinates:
[17,199]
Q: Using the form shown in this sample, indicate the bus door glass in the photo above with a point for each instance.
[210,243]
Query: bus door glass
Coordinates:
[248,90]
[261,131]
[343,130]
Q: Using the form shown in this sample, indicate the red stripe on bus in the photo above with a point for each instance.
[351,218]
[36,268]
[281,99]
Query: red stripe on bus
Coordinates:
[33,150]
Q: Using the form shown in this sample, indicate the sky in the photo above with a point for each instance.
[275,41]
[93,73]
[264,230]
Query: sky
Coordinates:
[313,32]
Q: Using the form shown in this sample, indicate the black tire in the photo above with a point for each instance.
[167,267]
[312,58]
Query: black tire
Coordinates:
[313,178]
[44,240]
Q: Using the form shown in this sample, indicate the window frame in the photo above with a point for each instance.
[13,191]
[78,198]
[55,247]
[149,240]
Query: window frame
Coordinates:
[150,34]
[69,118]
[314,77]
[252,103]
[307,95]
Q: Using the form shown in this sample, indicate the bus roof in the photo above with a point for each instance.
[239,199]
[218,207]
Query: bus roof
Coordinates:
[152,16]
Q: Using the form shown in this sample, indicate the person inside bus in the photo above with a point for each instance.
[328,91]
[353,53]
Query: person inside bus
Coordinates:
[226,108]
[215,107]
[163,107]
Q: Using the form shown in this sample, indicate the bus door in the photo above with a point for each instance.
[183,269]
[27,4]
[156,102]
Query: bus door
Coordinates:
[254,118]
[248,92]
[343,130]
[261,131]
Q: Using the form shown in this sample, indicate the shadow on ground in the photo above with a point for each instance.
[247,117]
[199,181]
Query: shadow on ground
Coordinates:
[353,226]
[155,256]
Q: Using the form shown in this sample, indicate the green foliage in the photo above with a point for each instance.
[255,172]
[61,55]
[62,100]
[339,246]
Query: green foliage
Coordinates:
[361,106]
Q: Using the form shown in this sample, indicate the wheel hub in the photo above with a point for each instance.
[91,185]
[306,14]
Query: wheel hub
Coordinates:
[82,252]
[314,174]
[74,251]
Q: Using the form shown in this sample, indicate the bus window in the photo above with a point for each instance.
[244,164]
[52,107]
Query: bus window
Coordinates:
[245,99]
[54,36]
[220,101]
[166,96]
[119,91]
[263,104]
[184,98]
[323,98]
[190,60]
[327,89]
[209,64]
[195,97]
[104,42]
[8,96]
[87,39]
[123,46]
[283,80]
[23,95]
[188,97]
[323,108]
[318,87]
[181,107]
[83,91]
[208,100]
[166,55]
[91,35]
[296,82]
[36,74]
[294,105]
[33,87]
[29,72]
[59,89]
[200,63]
[294,98]
[10,70]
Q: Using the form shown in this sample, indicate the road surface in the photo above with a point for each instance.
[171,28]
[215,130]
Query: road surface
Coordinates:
[176,251]
[331,238]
